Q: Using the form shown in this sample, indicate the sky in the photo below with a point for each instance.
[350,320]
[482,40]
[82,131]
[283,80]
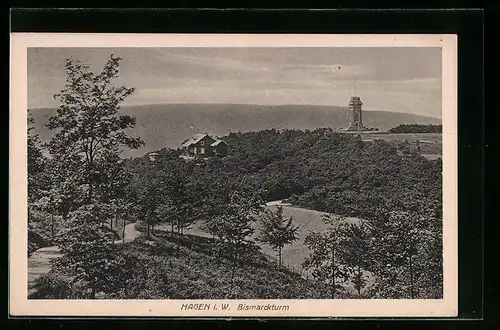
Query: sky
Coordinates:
[392,79]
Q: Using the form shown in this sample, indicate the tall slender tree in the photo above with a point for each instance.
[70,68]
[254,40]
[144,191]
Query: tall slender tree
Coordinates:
[86,172]
[277,231]
[355,252]
[324,259]
[88,130]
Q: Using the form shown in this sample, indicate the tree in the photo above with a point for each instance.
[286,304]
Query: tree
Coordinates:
[277,231]
[36,162]
[233,225]
[324,258]
[355,251]
[88,130]
[408,254]
[86,243]
[87,176]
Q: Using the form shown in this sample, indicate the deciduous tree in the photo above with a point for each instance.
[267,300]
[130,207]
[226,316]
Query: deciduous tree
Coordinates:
[88,130]
[324,259]
[276,231]
[86,243]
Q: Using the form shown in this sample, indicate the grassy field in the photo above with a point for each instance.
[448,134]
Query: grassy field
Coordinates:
[430,143]
[307,220]
[293,255]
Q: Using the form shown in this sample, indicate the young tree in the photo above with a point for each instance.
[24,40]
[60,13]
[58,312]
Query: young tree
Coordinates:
[355,252]
[86,243]
[88,129]
[277,231]
[324,259]
[233,225]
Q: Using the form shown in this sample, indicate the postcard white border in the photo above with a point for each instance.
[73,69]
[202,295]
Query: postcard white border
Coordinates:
[21,306]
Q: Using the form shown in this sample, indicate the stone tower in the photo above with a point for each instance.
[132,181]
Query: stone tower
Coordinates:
[356,113]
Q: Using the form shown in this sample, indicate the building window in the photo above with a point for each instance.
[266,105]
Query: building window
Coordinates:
[202,151]
[202,143]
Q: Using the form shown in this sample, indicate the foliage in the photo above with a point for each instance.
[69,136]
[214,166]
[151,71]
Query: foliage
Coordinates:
[88,131]
[42,228]
[197,275]
[335,173]
[54,286]
[36,164]
[406,247]
[325,261]
[277,231]
[86,243]
[327,171]
[355,253]
[416,128]
[88,182]
[232,227]
[167,191]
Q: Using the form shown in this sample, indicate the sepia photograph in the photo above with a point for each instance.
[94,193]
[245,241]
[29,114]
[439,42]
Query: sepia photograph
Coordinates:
[237,179]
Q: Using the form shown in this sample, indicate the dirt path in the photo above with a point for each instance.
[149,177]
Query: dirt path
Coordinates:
[278,202]
[130,233]
[39,261]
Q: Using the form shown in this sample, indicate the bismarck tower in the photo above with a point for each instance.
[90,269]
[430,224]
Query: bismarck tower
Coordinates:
[356,115]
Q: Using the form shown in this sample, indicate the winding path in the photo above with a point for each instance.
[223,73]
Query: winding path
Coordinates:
[39,261]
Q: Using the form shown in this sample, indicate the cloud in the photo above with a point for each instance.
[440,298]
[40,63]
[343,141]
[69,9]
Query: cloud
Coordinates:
[392,79]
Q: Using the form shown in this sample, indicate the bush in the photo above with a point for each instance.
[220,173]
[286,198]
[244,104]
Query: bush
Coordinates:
[54,286]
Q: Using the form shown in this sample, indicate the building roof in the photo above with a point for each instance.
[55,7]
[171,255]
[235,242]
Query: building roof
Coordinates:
[195,139]
[216,143]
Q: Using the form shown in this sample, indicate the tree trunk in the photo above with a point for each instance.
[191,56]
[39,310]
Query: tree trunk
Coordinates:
[359,275]
[178,246]
[92,292]
[52,227]
[233,270]
[178,242]
[147,225]
[111,223]
[333,272]
[279,258]
[123,230]
[172,222]
[412,295]
[91,190]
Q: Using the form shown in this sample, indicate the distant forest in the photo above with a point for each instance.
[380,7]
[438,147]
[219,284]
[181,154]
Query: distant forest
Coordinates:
[416,128]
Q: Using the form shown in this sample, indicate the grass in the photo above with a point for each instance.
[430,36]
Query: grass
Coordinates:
[156,271]
[430,143]
[197,274]
[293,255]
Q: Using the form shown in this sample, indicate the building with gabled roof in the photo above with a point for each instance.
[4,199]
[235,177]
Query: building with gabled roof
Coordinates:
[220,148]
[204,145]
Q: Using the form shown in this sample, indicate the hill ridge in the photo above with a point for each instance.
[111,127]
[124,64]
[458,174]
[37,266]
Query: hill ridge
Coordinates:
[168,124]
